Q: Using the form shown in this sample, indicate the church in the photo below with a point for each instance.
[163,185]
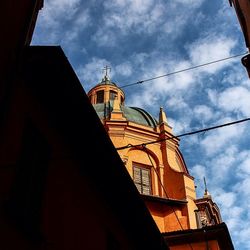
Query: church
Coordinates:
[150,152]
[128,189]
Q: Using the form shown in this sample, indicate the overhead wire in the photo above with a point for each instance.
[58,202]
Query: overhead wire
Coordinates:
[186,134]
[182,70]
[164,190]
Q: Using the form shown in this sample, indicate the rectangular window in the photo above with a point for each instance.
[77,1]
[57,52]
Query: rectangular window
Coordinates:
[112,95]
[100,96]
[142,179]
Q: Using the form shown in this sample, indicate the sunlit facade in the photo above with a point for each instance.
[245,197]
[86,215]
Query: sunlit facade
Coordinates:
[158,169]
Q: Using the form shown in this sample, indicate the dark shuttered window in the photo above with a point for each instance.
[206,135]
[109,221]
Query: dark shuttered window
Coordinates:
[142,179]
[100,96]
[112,95]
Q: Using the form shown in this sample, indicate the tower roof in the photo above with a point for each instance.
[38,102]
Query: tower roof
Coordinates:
[105,105]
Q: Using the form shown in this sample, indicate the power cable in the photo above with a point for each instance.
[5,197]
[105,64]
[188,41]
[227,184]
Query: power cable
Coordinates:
[185,134]
[182,70]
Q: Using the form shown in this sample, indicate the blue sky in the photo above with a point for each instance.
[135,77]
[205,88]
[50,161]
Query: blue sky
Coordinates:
[140,39]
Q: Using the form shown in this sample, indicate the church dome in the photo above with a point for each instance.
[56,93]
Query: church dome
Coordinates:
[107,98]
[133,114]
[139,116]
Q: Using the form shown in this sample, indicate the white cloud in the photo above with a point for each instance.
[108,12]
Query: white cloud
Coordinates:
[235,99]
[146,99]
[179,125]
[244,166]
[203,113]
[91,73]
[235,76]
[226,199]
[177,19]
[145,17]
[124,69]
[177,102]
[55,10]
[104,37]
[134,6]
[173,90]
[133,10]
[61,22]
[223,164]
[78,24]
[243,187]
[213,96]
[193,3]
[132,16]
[233,214]
[199,171]
[217,140]
[211,48]
[182,80]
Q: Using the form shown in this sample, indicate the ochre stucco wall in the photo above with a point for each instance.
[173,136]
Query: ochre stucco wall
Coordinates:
[169,175]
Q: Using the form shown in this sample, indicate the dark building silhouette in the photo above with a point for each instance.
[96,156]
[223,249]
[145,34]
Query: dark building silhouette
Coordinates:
[242,9]
[62,183]
[54,194]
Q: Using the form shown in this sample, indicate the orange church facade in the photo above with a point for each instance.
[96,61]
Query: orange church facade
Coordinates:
[158,169]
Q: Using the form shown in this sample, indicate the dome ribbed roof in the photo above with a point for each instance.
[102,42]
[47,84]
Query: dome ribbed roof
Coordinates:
[133,114]
[139,116]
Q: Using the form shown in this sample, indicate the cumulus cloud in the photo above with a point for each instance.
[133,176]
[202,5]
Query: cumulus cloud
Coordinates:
[211,48]
[217,140]
[199,171]
[145,17]
[235,99]
[177,19]
[78,24]
[180,125]
[172,90]
[193,3]
[104,37]
[91,73]
[124,69]
[244,166]
[203,112]
[223,164]
[61,22]
[226,199]
[243,187]
[56,10]
[176,102]
[146,100]
[125,15]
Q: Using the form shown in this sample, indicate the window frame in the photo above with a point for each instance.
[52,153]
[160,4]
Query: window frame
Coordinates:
[143,187]
[112,95]
[100,96]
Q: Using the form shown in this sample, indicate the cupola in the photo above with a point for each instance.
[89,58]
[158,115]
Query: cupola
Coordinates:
[106,91]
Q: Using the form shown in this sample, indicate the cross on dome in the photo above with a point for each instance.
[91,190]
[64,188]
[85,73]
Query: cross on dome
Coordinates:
[105,70]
